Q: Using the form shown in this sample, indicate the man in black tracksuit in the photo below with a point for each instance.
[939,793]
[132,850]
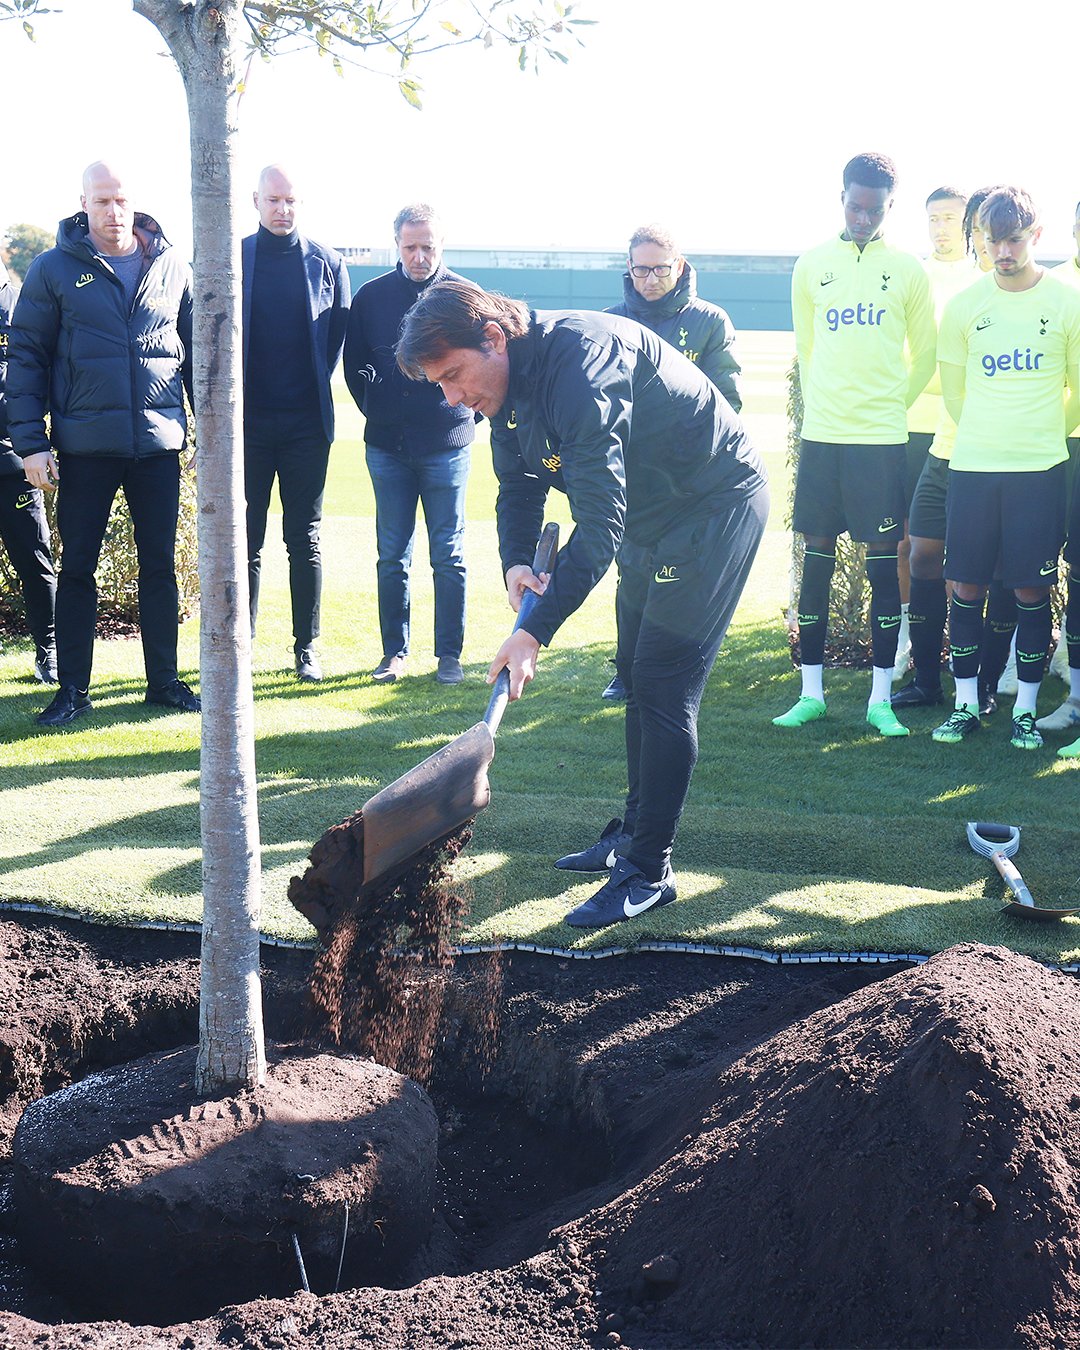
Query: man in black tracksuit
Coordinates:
[102,344]
[660,291]
[296,306]
[658,472]
[23,526]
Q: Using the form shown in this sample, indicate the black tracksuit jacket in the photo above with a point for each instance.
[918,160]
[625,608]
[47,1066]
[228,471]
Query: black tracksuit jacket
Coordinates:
[638,439]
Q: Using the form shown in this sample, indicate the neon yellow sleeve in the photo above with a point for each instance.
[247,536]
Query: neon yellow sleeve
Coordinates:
[802,318]
[921,336]
[953,388]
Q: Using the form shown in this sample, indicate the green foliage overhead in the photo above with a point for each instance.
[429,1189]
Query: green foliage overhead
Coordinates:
[24,243]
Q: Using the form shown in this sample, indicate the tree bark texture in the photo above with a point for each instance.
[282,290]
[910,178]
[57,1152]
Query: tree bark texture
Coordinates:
[204,39]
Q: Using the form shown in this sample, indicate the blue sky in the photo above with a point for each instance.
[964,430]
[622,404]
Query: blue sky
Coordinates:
[731,123]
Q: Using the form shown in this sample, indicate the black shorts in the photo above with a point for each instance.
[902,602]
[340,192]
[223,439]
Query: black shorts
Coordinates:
[1072,546]
[854,488]
[1005,526]
[918,447]
[926,515]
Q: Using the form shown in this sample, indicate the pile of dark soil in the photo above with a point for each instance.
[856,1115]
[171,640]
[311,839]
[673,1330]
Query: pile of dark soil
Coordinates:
[674,1152]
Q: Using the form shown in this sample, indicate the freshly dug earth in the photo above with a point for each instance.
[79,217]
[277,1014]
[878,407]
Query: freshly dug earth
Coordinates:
[678,1151]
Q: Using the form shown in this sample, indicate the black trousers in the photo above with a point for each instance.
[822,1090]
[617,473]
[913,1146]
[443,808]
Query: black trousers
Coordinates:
[673,606]
[88,485]
[24,530]
[297,457]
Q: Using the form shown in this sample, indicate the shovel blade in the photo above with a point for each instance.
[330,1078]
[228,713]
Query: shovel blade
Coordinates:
[427,803]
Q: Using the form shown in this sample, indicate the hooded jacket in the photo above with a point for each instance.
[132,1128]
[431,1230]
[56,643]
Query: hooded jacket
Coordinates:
[400,414]
[700,330]
[641,443]
[112,382]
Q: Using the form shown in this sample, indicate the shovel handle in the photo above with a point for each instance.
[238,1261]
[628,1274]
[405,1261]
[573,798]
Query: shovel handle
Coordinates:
[1013,879]
[543,561]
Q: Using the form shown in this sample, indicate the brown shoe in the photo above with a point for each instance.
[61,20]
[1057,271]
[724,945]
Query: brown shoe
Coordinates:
[388,669]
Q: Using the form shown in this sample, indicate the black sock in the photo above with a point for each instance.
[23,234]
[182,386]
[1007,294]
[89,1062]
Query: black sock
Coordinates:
[814,606]
[884,606]
[927,612]
[997,635]
[965,625]
[1034,628]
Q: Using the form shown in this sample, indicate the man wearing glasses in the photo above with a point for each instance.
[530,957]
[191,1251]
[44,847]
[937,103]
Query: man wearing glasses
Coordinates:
[660,291]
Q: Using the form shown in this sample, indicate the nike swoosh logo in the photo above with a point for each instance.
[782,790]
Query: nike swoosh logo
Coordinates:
[980,326]
[22,502]
[890,623]
[1048,571]
[80,283]
[829,282]
[660,581]
[609,861]
[884,529]
[1024,657]
[630,910]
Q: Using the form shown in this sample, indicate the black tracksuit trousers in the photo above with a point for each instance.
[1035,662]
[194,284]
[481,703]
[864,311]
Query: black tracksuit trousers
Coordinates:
[674,605]
[24,530]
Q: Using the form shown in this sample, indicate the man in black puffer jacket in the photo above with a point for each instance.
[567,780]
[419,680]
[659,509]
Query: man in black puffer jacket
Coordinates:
[102,345]
[660,291]
[23,526]
[417,450]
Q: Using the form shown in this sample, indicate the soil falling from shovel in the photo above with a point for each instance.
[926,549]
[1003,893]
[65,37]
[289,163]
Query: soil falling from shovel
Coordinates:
[378,984]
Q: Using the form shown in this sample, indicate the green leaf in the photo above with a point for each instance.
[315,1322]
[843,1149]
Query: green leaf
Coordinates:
[523,58]
[410,92]
[445,23]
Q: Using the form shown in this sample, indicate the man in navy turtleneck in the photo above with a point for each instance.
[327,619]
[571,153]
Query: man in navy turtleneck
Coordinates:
[417,450]
[296,307]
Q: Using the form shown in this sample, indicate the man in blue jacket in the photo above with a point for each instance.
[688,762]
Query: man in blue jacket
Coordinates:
[417,451]
[296,306]
[658,471]
[23,525]
[101,343]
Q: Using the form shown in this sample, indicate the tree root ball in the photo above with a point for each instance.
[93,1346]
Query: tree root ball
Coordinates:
[126,1182]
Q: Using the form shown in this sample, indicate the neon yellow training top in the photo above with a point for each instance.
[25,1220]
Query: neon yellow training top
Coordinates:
[946,280]
[1014,348]
[853,313]
[1067,272]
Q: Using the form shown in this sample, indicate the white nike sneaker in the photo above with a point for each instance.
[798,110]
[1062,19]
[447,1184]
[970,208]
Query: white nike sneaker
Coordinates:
[1064,718]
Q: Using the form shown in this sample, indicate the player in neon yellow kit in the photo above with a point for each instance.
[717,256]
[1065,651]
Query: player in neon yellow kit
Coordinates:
[1007,346]
[951,268]
[864,335]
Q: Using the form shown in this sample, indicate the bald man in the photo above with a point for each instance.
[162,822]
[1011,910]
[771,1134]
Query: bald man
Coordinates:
[101,344]
[296,308]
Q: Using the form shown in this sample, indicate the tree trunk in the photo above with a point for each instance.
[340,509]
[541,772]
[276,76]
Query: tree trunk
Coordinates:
[204,38]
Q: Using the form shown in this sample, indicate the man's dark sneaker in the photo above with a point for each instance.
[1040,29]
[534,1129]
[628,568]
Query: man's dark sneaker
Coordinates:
[988,704]
[388,669]
[625,895]
[45,665]
[913,695]
[598,857]
[616,691]
[308,668]
[68,704]
[449,671]
[174,695]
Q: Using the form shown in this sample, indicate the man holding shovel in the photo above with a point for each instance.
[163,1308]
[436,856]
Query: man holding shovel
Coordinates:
[659,472]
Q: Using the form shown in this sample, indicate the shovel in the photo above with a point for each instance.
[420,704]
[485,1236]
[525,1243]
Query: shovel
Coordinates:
[451,786]
[999,843]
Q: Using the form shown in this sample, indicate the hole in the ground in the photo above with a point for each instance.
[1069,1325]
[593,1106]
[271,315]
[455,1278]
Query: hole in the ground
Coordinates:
[518,1135]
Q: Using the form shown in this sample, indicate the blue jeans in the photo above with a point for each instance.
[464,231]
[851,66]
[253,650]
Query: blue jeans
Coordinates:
[401,481]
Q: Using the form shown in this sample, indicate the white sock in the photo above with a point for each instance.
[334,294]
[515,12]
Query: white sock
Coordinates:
[1074,683]
[1027,695]
[812,677]
[881,686]
[967,693]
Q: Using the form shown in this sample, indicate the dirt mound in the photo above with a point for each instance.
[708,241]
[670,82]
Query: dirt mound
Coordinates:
[899,1169]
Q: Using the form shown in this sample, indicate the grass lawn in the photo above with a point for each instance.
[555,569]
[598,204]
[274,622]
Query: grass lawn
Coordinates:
[825,839]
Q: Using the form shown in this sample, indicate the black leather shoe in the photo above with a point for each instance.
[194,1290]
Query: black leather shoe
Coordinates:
[308,668]
[45,665]
[175,695]
[68,704]
[616,691]
[913,695]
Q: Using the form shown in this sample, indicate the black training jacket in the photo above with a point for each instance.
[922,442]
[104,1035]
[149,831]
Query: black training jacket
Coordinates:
[112,382]
[700,330]
[9,460]
[638,439]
